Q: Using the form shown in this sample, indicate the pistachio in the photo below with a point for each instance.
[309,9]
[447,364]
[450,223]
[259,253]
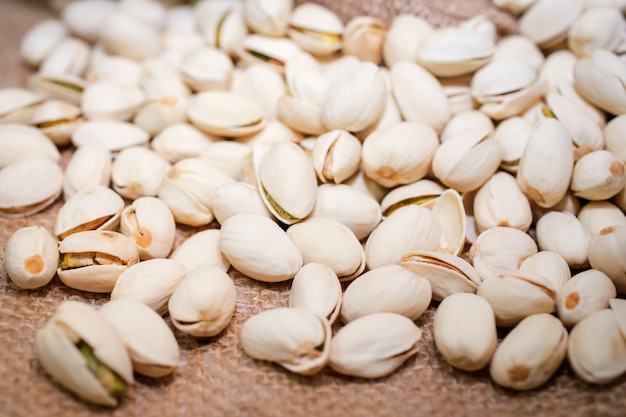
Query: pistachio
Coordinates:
[464,330]
[137,172]
[598,175]
[563,233]
[374,345]
[316,29]
[605,248]
[585,293]
[31,257]
[41,39]
[202,247]
[317,288]
[549,264]
[148,222]
[268,18]
[363,37]
[549,32]
[295,338]
[89,166]
[203,303]
[404,36]
[82,351]
[389,288]
[21,141]
[152,347]
[530,354]
[336,156]
[596,215]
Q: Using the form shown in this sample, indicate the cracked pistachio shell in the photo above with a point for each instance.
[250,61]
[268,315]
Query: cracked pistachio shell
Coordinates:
[181,140]
[466,161]
[237,197]
[200,248]
[316,288]
[156,115]
[597,28]
[137,172]
[513,134]
[40,39]
[336,156]
[268,17]
[31,257]
[268,50]
[389,288]
[517,294]
[520,47]
[613,137]
[94,208]
[466,120]
[530,354]
[364,37]
[161,80]
[551,265]
[409,228]
[606,249]
[386,153]
[454,51]
[70,57]
[597,349]
[596,215]
[316,29]
[423,192]
[17,105]
[55,345]
[28,186]
[329,242]
[203,304]
[257,247]
[295,338]
[93,260]
[222,24]
[350,206]
[115,135]
[19,141]
[563,233]
[597,176]
[355,98]
[500,202]
[287,182]
[585,133]
[464,330]
[262,84]
[600,78]
[207,68]
[89,165]
[499,249]
[188,189]
[446,273]
[585,293]
[458,93]
[152,347]
[449,210]
[148,222]
[127,35]
[224,113]
[374,345]
[57,119]
[115,68]
[404,36]
[419,95]
[106,100]
[65,87]
[87,19]
[546,166]
[151,282]
[547,32]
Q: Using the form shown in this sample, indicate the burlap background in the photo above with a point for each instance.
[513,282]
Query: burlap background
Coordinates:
[215,377]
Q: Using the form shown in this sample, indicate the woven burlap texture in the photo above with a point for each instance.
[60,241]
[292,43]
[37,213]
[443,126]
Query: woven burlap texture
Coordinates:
[215,377]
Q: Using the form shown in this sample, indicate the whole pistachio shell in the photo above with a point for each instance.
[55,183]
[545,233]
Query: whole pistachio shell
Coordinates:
[21,141]
[530,354]
[152,347]
[599,78]
[464,330]
[605,249]
[31,257]
[317,288]
[200,248]
[563,233]
[549,264]
[151,226]
[203,304]
[76,343]
[596,215]
[585,293]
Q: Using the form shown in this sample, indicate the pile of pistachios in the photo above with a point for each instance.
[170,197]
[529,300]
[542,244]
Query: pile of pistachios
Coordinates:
[417,166]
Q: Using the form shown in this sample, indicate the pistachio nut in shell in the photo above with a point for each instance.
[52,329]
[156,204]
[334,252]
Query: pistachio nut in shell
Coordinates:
[600,79]
[551,265]
[563,233]
[295,338]
[151,282]
[31,257]
[605,254]
[137,172]
[93,260]
[151,226]
[316,28]
[83,352]
[585,293]
[596,215]
[374,345]
[549,32]
[464,330]
[316,287]
[21,141]
[336,156]
[268,17]
[40,39]
[203,304]
[363,37]
[152,347]
[404,36]
[598,175]
[389,288]
[202,247]
[257,247]
[530,354]
[89,165]
[597,350]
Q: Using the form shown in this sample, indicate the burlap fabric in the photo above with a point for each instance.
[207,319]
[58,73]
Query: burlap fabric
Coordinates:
[215,377]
